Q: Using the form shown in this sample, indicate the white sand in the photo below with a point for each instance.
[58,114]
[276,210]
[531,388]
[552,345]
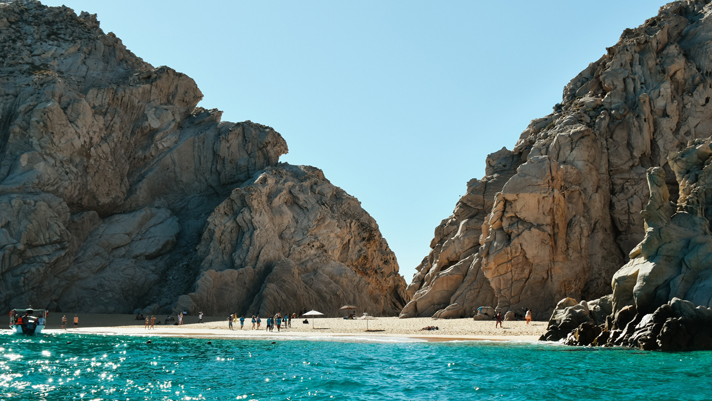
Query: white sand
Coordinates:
[322,328]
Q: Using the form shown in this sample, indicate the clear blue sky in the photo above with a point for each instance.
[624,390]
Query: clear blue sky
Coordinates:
[398,102]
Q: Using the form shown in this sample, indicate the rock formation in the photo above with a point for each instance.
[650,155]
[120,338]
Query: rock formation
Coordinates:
[662,297]
[557,216]
[118,192]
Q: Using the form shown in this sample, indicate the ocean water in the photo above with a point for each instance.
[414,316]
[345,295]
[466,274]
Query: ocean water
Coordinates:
[107,367]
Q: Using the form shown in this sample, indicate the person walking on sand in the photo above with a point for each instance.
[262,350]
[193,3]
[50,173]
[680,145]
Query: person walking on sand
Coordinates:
[64,322]
[279,322]
[200,317]
[180,319]
[499,320]
[242,322]
[153,322]
[145,324]
[528,316]
[76,321]
[259,321]
[229,322]
[253,322]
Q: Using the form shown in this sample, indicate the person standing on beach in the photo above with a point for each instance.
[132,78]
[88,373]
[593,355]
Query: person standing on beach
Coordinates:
[279,322]
[242,322]
[76,321]
[200,317]
[64,322]
[145,324]
[153,321]
[499,320]
[253,322]
[229,322]
[528,316]
[180,319]
[259,320]
[289,322]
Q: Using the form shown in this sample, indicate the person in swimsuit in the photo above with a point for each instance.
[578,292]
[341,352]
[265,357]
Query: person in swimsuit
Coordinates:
[200,317]
[279,322]
[76,321]
[229,322]
[242,322]
[499,320]
[528,316]
[145,323]
[153,322]
[64,322]
[259,321]
[253,322]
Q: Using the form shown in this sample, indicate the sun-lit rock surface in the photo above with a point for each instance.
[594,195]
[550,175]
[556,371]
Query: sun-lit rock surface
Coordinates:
[662,298]
[113,185]
[557,216]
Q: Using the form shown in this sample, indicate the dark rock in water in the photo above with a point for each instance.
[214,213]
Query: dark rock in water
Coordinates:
[676,326]
[567,317]
[584,334]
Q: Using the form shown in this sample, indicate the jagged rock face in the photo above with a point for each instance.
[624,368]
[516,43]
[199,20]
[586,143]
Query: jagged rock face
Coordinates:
[569,213]
[109,173]
[661,297]
[290,238]
[673,260]
[449,282]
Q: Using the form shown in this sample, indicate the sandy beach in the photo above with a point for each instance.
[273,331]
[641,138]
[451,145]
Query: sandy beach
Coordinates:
[319,328]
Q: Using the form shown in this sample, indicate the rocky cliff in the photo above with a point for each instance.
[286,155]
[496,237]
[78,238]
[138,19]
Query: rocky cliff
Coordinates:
[662,298]
[557,216]
[118,192]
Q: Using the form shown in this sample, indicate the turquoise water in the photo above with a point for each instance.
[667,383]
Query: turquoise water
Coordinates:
[95,367]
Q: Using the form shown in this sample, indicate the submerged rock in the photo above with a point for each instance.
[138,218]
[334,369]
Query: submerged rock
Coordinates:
[118,193]
[557,215]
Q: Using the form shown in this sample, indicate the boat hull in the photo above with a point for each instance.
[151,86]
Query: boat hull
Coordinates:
[27,329]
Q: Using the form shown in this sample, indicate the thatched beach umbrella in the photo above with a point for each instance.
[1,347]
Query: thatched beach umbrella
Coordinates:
[313,313]
[348,307]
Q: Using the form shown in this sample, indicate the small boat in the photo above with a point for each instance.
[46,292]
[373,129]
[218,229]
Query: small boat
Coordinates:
[28,321]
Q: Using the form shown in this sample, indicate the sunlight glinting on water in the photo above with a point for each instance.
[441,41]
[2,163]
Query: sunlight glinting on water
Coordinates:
[95,367]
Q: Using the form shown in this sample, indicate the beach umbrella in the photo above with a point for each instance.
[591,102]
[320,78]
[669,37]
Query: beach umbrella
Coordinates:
[348,307]
[367,318]
[313,313]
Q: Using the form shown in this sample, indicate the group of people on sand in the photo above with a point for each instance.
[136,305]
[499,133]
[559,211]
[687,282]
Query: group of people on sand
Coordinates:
[277,320]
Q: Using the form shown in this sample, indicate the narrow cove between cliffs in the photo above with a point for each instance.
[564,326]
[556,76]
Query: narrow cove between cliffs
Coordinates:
[108,367]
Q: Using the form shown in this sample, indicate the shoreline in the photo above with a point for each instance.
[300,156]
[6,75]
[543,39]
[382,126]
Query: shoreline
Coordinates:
[224,334]
[381,329]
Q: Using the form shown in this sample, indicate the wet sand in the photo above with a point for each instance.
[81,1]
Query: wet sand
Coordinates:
[384,328]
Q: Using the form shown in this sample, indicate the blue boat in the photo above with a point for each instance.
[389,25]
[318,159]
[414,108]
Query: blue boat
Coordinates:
[28,321]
